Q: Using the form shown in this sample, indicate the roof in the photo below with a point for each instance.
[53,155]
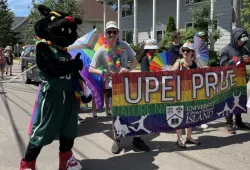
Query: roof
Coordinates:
[17,20]
[93,11]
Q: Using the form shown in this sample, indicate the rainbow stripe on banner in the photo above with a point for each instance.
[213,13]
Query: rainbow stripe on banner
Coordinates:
[153,102]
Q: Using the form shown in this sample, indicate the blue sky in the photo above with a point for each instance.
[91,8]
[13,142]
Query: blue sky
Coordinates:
[20,7]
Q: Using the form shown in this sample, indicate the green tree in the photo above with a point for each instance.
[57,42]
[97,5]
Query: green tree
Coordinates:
[6,20]
[71,7]
[171,27]
[201,17]
[245,13]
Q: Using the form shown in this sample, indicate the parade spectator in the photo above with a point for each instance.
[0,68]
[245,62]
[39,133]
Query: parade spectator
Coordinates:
[147,56]
[2,62]
[186,63]
[115,61]
[230,55]
[9,59]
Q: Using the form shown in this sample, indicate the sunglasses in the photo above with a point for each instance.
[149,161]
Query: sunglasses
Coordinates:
[110,32]
[186,50]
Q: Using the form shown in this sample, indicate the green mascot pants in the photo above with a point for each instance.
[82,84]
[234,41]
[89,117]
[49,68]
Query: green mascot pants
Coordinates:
[56,114]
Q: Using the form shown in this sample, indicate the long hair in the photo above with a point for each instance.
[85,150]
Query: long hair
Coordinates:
[143,54]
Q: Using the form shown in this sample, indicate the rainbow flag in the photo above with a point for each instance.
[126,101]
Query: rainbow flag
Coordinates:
[87,46]
[153,102]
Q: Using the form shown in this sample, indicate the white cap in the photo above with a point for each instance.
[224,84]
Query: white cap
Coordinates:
[188,45]
[111,24]
[151,44]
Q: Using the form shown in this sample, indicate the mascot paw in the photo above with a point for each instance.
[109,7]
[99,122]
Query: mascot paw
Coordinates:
[77,63]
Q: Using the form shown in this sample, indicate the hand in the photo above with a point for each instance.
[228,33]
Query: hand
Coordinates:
[77,62]
[124,70]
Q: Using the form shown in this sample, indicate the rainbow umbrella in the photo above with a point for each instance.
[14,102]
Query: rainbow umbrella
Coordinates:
[201,49]
[87,46]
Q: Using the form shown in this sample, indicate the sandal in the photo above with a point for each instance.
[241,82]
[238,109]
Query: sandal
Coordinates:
[181,144]
[192,141]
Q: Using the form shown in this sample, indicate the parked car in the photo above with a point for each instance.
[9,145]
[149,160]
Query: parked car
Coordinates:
[28,61]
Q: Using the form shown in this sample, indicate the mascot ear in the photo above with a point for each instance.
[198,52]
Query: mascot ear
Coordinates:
[44,10]
[78,21]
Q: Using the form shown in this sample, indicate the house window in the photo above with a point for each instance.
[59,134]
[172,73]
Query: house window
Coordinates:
[193,1]
[127,8]
[127,35]
[189,24]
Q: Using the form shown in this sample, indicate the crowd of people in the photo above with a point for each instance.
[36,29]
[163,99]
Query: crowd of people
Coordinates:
[185,60]
[6,61]
[57,92]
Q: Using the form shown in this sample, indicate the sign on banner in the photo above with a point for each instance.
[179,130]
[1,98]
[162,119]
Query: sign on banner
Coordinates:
[153,102]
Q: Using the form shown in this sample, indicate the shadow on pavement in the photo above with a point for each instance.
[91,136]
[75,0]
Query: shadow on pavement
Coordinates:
[130,161]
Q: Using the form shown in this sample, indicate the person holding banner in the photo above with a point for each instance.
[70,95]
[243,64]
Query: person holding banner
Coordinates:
[187,62]
[147,56]
[230,55]
[114,57]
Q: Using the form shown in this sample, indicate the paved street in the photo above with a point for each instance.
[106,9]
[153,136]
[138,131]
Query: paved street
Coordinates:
[219,150]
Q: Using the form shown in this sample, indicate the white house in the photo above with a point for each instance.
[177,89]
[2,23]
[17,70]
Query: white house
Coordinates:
[139,20]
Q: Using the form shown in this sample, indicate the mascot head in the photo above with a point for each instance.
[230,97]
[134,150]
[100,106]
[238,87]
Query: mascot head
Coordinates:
[57,27]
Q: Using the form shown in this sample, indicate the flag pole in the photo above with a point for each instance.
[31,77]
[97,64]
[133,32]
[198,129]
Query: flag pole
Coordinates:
[21,73]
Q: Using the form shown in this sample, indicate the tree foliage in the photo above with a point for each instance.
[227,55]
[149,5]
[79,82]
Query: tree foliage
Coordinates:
[245,13]
[201,17]
[171,27]
[72,7]
[7,36]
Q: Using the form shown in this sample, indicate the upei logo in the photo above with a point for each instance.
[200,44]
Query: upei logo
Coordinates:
[174,115]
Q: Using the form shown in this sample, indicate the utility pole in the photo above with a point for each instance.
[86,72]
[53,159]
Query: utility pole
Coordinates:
[236,7]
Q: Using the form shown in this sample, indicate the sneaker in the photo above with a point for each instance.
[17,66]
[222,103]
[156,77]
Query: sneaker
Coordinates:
[95,115]
[73,164]
[139,144]
[242,126]
[116,147]
[10,74]
[229,128]
[204,126]
[108,112]
[80,120]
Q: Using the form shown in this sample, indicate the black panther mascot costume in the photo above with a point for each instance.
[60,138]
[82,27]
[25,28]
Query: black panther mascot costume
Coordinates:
[57,112]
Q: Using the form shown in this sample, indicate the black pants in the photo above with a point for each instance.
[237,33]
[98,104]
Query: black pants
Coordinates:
[229,119]
[33,151]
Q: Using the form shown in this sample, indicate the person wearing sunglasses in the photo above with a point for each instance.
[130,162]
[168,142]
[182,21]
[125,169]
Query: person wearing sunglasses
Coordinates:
[186,63]
[231,55]
[114,57]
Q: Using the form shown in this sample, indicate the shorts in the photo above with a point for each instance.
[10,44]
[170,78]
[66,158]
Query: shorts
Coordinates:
[2,66]
[56,114]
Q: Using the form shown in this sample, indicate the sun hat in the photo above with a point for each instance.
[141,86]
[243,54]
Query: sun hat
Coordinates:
[188,45]
[111,24]
[151,44]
